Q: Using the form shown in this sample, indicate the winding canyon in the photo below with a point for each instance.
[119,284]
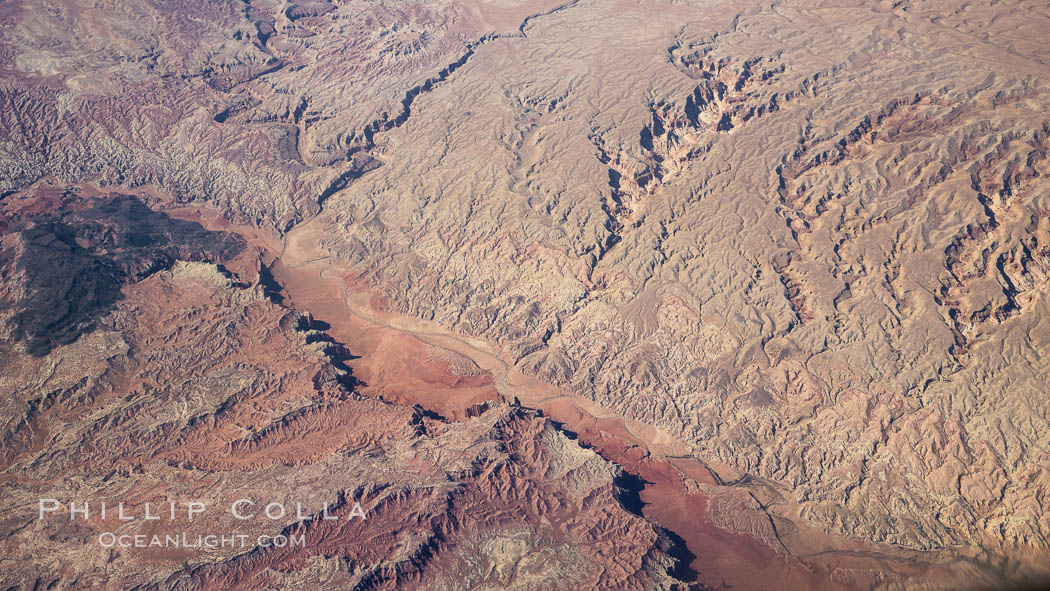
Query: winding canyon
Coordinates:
[563,295]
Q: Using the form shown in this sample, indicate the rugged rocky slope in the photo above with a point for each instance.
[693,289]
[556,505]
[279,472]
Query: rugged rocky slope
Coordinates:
[806,241]
[195,387]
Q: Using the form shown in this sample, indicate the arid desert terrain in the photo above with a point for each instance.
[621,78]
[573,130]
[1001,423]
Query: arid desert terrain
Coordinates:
[531,295]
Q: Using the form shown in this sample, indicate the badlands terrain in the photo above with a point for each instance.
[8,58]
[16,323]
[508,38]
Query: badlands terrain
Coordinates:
[589,294]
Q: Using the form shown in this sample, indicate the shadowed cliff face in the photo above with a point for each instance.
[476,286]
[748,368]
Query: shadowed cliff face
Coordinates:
[71,264]
[177,381]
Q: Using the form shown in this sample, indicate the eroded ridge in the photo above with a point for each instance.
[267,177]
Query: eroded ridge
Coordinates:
[997,263]
[795,251]
[197,383]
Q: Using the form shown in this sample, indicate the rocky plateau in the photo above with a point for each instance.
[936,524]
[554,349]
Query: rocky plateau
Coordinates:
[690,294]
